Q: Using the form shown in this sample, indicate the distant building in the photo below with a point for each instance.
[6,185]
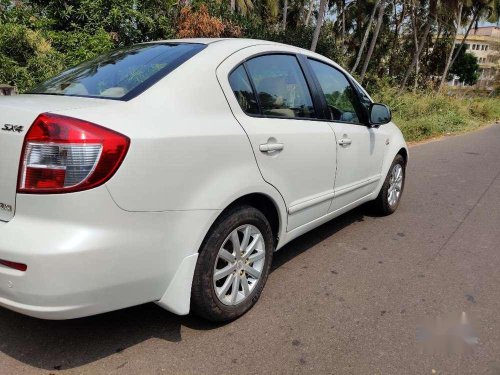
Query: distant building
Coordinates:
[7,90]
[484,43]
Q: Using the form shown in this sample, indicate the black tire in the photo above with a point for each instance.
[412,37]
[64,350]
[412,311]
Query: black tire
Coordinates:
[204,301]
[381,205]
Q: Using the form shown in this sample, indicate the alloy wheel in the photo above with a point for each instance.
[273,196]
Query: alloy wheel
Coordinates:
[395,185]
[239,264]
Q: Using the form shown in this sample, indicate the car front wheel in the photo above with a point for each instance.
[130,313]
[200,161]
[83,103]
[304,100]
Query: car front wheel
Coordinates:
[390,195]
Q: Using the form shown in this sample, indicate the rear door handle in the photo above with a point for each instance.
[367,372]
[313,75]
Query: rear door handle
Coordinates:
[271,147]
[345,142]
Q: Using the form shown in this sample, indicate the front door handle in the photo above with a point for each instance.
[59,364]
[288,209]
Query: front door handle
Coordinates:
[345,142]
[271,147]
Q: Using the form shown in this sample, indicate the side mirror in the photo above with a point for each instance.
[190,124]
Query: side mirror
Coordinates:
[380,114]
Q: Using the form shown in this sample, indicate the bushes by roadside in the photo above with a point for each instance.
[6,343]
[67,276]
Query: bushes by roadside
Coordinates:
[425,115]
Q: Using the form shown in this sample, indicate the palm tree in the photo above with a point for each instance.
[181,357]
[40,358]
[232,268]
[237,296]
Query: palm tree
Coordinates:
[285,11]
[416,57]
[488,9]
[495,13]
[309,11]
[401,6]
[341,7]
[458,6]
[245,6]
[373,42]
[365,37]
[319,23]
[271,10]
[415,27]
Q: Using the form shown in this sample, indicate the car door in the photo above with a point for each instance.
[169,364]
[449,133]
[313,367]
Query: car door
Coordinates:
[360,148]
[296,153]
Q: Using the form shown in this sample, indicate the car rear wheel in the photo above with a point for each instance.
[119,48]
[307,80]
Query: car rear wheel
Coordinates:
[389,197]
[233,265]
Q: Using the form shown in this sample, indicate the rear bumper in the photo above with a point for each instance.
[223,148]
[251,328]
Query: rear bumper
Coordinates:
[87,256]
[44,312]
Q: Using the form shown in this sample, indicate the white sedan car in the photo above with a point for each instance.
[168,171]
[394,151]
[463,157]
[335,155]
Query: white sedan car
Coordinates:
[171,171]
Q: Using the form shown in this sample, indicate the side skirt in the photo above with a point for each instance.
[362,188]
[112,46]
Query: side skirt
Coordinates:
[289,236]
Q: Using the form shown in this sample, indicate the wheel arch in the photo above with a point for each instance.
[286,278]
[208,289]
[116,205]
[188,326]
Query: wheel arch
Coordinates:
[262,202]
[397,146]
[404,153]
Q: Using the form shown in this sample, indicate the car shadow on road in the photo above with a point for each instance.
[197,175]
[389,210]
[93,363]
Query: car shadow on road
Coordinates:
[312,238]
[56,345]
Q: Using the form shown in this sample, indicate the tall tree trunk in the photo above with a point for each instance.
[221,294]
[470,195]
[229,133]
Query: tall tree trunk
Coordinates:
[369,54]
[452,48]
[474,20]
[365,37]
[417,71]
[319,23]
[285,12]
[395,42]
[416,56]
[342,9]
[233,6]
[415,41]
[438,33]
[309,12]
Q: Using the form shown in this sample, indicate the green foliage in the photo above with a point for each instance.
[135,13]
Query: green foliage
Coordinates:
[26,57]
[78,46]
[426,114]
[29,55]
[436,60]
[466,68]
[39,38]
[129,21]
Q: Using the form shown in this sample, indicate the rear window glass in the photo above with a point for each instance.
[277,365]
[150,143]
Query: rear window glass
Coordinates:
[281,86]
[120,74]
[243,90]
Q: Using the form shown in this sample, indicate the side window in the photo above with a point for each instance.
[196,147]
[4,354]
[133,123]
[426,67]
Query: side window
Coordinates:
[339,94]
[243,91]
[281,86]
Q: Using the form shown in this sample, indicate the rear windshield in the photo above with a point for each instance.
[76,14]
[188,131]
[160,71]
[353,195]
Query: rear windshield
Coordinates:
[120,74]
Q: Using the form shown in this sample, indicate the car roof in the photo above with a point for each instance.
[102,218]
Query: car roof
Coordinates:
[242,42]
[234,44]
[237,43]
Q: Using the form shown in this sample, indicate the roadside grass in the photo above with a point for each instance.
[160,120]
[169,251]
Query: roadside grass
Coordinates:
[422,116]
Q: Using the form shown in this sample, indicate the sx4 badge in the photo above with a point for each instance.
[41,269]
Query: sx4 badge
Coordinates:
[13,128]
[5,207]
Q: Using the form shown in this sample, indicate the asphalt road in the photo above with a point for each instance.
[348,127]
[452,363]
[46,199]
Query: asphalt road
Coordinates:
[359,295]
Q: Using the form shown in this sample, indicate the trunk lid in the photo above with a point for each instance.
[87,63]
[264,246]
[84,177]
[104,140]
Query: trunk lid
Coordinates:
[17,114]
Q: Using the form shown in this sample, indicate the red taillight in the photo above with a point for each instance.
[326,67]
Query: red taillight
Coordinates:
[63,154]
[14,265]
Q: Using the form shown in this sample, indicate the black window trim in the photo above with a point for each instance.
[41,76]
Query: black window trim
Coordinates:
[254,89]
[316,92]
[151,81]
[318,108]
[360,109]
